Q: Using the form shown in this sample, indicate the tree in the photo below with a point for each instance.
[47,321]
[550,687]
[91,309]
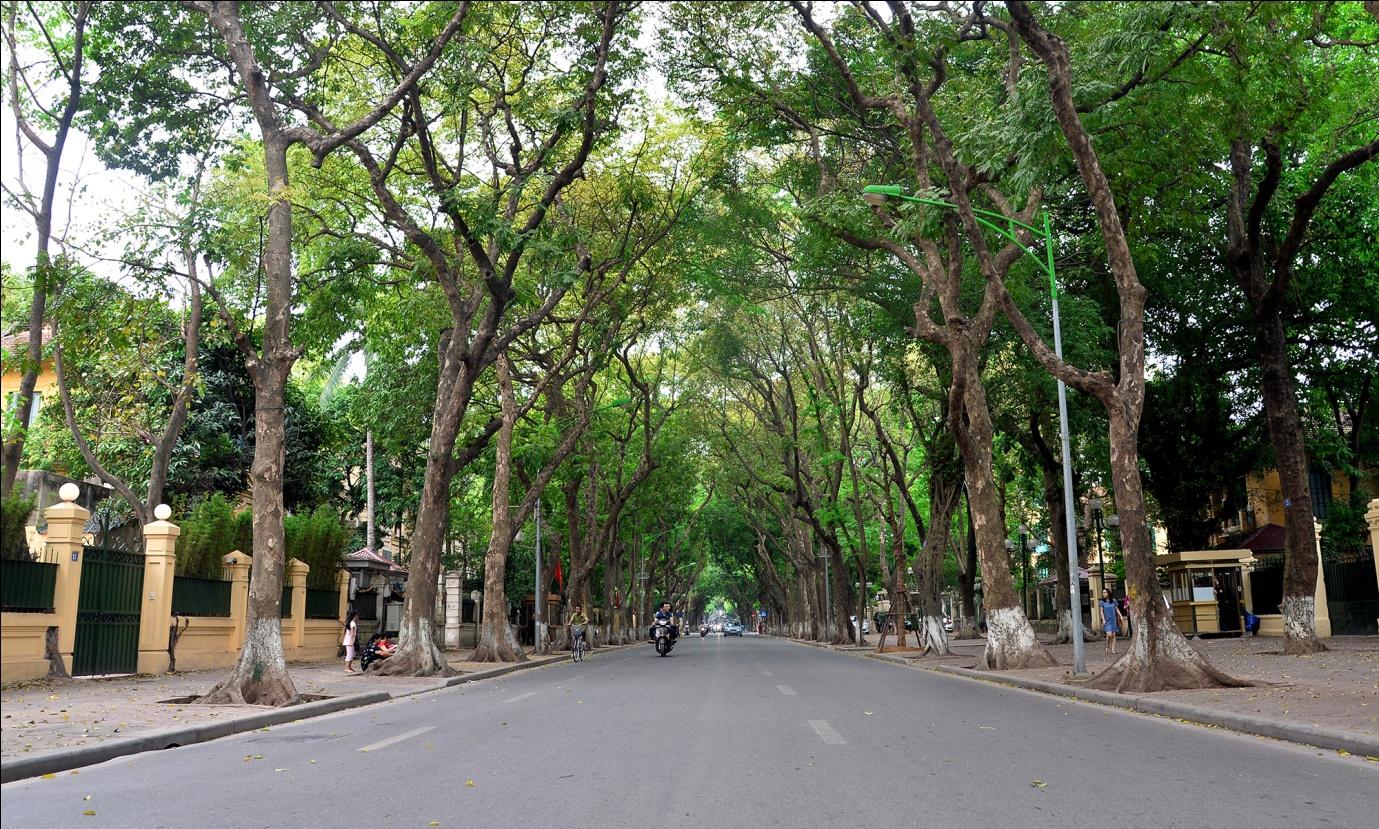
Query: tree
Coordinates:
[261,674]
[58,31]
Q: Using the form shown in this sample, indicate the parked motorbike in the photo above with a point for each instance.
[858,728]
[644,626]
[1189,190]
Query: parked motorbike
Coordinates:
[662,636]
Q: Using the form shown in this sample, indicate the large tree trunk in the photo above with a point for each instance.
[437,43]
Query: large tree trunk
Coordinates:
[417,653]
[1157,655]
[966,625]
[1290,456]
[1010,639]
[928,566]
[497,641]
[260,677]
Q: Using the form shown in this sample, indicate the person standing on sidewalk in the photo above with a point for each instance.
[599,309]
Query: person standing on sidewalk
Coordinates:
[351,635]
[1110,619]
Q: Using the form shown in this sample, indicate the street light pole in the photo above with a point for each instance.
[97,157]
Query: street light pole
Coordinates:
[1024,566]
[539,622]
[1005,226]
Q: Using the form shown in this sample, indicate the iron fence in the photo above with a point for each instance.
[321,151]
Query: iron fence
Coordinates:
[27,586]
[322,604]
[200,597]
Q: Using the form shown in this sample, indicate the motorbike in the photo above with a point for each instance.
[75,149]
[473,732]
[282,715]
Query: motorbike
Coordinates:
[703,631]
[661,635]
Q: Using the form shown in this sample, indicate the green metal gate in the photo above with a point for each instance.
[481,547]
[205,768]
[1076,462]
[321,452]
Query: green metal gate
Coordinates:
[112,582]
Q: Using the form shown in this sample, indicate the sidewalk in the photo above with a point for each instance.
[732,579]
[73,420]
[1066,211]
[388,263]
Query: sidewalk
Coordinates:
[1329,699]
[48,715]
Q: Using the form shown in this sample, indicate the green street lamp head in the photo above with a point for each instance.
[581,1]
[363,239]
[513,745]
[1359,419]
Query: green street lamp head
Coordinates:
[876,194]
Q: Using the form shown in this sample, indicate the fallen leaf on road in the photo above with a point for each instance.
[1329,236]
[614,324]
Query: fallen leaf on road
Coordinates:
[868,713]
[469,783]
[279,769]
[258,756]
[49,776]
[1343,752]
[1039,784]
[88,797]
[434,823]
[312,762]
[90,813]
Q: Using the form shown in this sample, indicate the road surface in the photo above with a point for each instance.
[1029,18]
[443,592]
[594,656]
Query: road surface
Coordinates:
[739,732]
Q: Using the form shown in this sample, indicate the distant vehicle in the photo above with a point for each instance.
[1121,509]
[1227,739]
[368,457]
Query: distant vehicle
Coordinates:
[866,625]
[732,629]
[716,627]
[948,624]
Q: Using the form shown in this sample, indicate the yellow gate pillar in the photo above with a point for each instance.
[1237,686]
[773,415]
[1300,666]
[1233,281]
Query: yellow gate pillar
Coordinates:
[295,633]
[160,568]
[237,573]
[342,586]
[66,527]
[1322,617]
[1372,518]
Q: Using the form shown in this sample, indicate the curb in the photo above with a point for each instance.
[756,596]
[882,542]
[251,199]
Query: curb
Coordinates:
[69,758]
[64,759]
[1311,735]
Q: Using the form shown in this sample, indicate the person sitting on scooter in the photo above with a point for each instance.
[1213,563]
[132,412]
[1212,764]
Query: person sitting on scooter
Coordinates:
[665,615]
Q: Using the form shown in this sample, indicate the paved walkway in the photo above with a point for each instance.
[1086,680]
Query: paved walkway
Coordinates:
[1338,689]
[49,714]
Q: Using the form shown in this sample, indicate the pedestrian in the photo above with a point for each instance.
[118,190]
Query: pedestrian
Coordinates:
[1124,603]
[1110,619]
[351,635]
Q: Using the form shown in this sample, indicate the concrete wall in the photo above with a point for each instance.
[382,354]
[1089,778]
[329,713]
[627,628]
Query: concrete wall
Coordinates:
[23,645]
[204,642]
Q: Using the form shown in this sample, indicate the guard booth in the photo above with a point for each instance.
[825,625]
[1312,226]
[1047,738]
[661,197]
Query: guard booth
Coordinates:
[1208,590]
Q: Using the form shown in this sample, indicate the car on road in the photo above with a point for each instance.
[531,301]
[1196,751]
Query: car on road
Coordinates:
[732,629]
[866,625]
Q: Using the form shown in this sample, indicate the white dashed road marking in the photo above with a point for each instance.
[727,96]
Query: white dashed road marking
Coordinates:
[827,733]
[520,696]
[397,738]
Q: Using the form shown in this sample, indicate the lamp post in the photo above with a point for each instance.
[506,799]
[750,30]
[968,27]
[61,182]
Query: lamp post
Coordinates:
[1005,226]
[828,599]
[1024,566]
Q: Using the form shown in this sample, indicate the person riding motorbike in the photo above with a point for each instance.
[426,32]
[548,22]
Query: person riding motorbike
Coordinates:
[664,615]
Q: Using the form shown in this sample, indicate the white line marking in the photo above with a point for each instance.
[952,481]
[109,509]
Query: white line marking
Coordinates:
[827,733]
[520,697]
[767,673]
[786,689]
[397,738]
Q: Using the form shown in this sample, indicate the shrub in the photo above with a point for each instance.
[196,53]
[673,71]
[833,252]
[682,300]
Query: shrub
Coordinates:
[14,512]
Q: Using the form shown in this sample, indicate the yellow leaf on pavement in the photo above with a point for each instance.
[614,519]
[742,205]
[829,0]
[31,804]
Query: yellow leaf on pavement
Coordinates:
[469,783]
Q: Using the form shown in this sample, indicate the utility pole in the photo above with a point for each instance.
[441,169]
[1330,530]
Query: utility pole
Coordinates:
[539,622]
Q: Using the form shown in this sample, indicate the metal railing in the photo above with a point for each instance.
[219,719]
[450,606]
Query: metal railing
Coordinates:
[322,604]
[200,597]
[27,586]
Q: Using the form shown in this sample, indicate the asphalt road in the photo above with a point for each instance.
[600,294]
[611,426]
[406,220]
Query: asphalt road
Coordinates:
[750,732]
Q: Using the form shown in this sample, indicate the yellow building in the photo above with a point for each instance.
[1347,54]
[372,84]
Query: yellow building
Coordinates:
[45,390]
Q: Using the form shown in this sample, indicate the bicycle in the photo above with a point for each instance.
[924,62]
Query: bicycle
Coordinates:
[579,646]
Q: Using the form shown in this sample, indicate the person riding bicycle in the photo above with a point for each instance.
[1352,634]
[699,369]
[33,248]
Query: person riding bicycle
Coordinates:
[666,615]
[577,622]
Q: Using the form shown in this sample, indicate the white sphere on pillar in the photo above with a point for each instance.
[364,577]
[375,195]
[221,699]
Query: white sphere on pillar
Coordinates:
[162,512]
[69,492]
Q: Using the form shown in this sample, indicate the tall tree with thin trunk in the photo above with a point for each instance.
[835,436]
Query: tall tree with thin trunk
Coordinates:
[1157,656]
[64,55]
[260,676]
